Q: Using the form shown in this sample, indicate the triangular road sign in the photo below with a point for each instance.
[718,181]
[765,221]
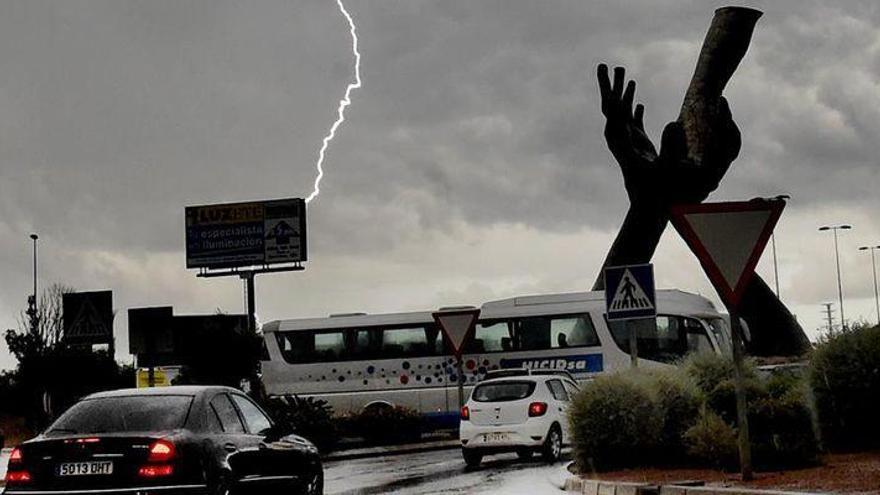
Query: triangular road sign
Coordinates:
[457,326]
[630,295]
[728,239]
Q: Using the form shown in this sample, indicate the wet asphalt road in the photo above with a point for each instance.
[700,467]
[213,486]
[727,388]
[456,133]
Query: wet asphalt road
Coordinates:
[443,472]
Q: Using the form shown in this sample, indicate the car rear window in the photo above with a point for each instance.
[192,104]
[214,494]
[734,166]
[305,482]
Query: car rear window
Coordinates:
[503,391]
[124,414]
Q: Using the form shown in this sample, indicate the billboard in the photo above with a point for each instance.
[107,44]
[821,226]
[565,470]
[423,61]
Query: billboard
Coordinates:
[246,234]
[88,317]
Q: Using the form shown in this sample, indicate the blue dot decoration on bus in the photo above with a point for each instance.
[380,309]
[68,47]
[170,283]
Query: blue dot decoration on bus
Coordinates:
[371,369]
[482,370]
[341,378]
[405,365]
[428,379]
[365,382]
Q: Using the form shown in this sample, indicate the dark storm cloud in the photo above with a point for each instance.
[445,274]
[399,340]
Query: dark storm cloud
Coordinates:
[114,115]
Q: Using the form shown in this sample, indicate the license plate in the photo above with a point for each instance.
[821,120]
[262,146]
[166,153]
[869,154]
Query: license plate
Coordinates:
[85,468]
[495,437]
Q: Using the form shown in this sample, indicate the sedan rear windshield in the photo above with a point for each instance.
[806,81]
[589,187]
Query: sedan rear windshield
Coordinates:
[124,414]
[503,391]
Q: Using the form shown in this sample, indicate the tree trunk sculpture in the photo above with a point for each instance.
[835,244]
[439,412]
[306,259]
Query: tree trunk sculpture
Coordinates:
[695,153]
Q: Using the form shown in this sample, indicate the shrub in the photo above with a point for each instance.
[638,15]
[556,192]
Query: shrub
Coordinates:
[845,377]
[678,403]
[781,430]
[380,425]
[614,422]
[711,441]
[308,417]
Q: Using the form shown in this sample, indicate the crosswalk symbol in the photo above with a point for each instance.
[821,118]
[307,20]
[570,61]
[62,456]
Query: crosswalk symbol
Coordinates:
[629,292]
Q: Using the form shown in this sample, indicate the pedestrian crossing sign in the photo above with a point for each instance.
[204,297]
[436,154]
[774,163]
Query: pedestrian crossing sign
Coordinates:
[629,292]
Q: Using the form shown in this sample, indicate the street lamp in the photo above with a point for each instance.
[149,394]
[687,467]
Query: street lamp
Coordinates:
[835,228]
[34,317]
[874,271]
[781,197]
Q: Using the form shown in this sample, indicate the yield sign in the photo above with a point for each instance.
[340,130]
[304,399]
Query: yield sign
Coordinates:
[457,326]
[728,239]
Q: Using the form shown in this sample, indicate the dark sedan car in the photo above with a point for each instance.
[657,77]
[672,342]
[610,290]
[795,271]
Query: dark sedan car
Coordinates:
[212,440]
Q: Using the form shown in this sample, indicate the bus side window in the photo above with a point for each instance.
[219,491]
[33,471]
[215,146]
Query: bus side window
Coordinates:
[697,340]
[534,334]
[573,332]
[329,346]
[296,347]
[490,337]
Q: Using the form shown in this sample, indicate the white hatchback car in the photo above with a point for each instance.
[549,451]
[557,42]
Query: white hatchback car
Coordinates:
[522,414]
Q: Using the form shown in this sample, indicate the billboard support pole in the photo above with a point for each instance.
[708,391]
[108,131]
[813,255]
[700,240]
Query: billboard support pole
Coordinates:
[251,303]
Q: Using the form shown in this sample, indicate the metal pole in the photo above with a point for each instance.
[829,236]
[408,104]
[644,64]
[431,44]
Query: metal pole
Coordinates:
[460,384]
[251,303]
[839,284]
[35,322]
[633,343]
[775,267]
[876,297]
[742,418]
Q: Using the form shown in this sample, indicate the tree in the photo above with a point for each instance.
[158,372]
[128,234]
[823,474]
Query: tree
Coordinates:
[31,340]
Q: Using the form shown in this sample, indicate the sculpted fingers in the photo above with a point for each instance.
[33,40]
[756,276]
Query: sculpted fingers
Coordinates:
[639,117]
[628,95]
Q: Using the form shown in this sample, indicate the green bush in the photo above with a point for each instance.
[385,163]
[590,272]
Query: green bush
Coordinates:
[308,417]
[678,403]
[688,415]
[845,378]
[614,422]
[781,431]
[382,424]
[711,441]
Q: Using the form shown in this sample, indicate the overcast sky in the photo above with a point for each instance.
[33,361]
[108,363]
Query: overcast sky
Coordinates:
[471,167]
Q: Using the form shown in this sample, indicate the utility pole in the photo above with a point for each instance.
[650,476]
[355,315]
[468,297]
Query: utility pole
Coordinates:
[829,317]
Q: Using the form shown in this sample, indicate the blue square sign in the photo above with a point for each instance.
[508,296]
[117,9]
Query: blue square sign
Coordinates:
[629,292]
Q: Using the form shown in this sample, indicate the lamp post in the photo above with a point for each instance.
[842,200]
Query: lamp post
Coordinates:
[835,228]
[874,271]
[773,241]
[34,315]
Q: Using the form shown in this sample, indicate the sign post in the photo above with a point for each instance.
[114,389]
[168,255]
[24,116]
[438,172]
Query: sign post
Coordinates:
[630,295]
[728,239]
[457,325]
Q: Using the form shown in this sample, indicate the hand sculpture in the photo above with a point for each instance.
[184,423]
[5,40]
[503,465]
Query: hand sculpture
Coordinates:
[671,177]
[654,182]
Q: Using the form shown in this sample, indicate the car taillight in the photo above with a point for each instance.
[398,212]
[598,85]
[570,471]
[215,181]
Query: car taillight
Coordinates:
[537,409]
[465,413]
[156,471]
[17,477]
[15,456]
[161,451]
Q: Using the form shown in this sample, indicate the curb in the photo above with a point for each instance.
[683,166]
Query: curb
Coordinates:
[576,484]
[390,450]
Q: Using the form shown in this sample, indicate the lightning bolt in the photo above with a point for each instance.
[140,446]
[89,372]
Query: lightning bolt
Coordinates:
[343,103]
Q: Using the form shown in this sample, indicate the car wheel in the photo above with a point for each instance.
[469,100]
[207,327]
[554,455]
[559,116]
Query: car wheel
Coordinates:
[222,487]
[525,454]
[472,458]
[315,486]
[552,449]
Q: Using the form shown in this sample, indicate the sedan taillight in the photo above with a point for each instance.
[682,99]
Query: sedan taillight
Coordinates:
[158,466]
[465,413]
[17,477]
[161,451]
[537,409]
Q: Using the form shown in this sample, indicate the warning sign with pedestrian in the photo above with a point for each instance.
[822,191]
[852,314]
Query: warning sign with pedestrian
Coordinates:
[629,292]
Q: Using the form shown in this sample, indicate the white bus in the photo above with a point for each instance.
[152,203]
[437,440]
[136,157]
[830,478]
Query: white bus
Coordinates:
[355,361]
